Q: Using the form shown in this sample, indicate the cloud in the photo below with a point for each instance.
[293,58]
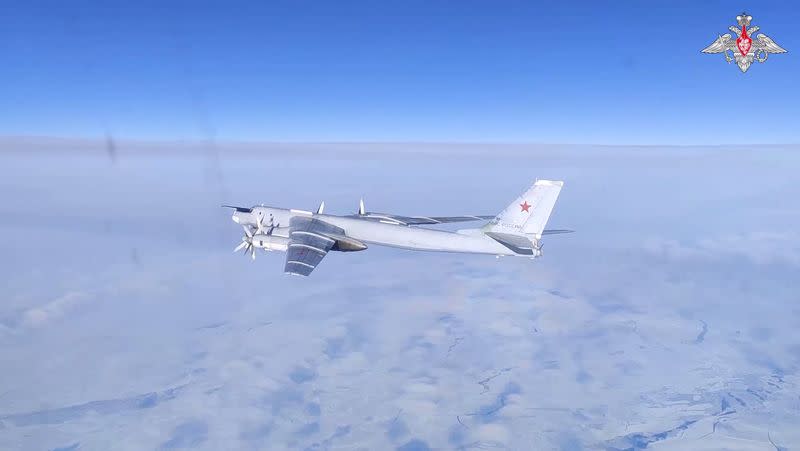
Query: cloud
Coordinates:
[603,343]
[496,434]
[761,248]
[52,311]
[190,434]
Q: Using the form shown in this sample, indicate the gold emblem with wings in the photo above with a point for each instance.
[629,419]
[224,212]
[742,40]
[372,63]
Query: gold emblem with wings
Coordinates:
[744,50]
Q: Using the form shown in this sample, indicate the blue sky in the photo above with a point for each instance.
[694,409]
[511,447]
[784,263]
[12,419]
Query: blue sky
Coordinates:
[579,72]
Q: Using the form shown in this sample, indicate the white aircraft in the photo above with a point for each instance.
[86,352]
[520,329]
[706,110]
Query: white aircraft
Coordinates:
[307,237]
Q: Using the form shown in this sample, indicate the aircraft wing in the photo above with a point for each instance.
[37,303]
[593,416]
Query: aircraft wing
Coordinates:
[419,220]
[308,244]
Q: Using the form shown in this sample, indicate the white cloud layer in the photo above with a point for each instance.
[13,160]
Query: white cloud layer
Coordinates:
[668,321]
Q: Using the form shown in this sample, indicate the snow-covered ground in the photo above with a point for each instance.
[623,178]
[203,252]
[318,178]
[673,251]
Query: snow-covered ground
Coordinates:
[669,320]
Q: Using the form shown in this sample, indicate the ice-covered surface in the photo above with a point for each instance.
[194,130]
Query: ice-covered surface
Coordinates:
[668,321]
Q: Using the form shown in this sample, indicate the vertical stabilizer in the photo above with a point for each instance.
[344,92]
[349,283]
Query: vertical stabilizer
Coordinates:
[543,199]
[529,213]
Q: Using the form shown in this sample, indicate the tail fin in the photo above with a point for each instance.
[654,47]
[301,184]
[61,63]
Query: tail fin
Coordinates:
[529,213]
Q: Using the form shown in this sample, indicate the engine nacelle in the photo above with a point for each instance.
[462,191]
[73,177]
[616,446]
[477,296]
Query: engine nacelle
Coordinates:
[347,244]
[270,242]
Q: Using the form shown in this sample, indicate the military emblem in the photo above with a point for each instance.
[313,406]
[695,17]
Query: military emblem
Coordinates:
[744,50]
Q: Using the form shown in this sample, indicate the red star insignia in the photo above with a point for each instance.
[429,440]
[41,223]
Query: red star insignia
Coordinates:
[525,206]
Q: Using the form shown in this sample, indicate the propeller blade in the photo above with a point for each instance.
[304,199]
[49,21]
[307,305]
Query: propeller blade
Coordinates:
[253,252]
[361,209]
[241,246]
[247,231]
[259,225]
[321,208]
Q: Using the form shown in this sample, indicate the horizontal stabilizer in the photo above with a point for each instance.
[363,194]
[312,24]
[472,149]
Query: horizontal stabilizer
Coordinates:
[520,244]
[556,231]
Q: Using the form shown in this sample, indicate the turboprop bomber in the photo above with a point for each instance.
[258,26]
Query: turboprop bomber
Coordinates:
[308,236]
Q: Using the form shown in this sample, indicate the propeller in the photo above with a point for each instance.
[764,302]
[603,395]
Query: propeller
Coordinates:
[271,225]
[259,224]
[247,243]
[247,239]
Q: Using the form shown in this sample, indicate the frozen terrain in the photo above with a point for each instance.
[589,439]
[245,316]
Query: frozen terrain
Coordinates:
[668,321]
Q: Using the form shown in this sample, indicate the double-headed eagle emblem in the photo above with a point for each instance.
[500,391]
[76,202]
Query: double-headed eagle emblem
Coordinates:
[744,50]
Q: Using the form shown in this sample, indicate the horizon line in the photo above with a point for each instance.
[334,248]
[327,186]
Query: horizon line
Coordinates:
[104,139]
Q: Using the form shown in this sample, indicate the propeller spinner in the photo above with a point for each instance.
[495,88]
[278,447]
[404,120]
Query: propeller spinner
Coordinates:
[261,239]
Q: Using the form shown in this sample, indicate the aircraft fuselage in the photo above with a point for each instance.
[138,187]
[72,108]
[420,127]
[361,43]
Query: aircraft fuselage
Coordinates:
[384,234]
